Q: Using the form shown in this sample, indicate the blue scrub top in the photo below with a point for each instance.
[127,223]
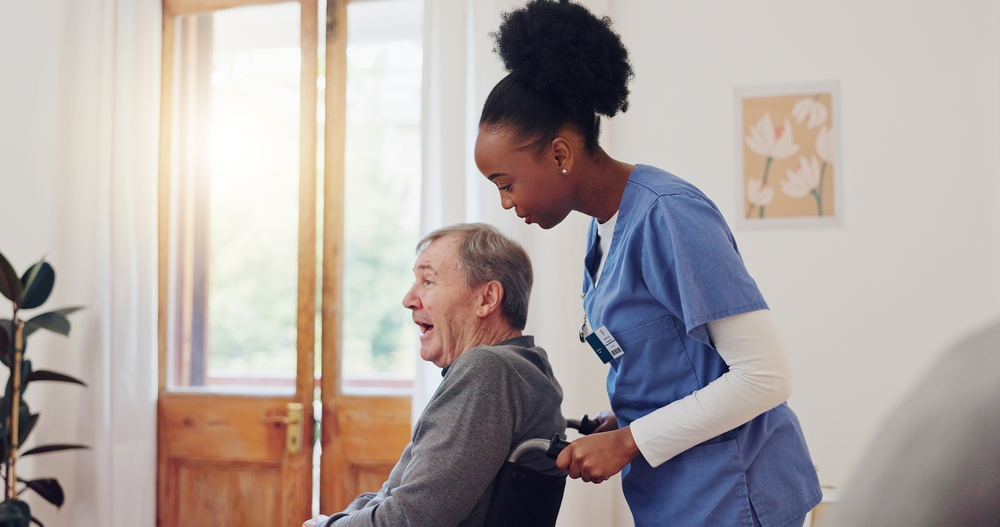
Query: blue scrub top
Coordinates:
[673,266]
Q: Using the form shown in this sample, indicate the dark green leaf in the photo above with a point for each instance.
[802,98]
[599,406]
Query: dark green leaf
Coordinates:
[25,374]
[15,513]
[4,434]
[47,488]
[52,321]
[67,311]
[8,326]
[10,284]
[4,438]
[52,448]
[26,425]
[6,341]
[35,520]
[37,283]
[46,375]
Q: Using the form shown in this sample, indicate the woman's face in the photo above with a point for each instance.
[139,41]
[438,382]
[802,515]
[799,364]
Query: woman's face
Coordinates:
[530,182]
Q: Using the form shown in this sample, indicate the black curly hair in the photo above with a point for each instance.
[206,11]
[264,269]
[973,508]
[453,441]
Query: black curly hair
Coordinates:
[566,67]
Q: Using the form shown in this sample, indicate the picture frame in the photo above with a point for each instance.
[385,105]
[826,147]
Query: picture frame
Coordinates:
[789,170]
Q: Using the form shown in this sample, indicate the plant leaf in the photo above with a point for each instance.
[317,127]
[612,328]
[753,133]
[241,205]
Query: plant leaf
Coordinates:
[5,341]
[46,375]
[44,449]
[35,520]
[15,513]
[53,321]
[67,311]
[4,437]
[4,410]
[7,326]
[26,425]
[26,371]
[37,283]
[10,284]
[47,488]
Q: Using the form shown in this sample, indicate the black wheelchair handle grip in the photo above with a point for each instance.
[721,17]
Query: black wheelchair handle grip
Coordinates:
[556,445]
[587,425]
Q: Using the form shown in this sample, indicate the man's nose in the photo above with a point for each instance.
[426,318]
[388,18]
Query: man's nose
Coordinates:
[410,300]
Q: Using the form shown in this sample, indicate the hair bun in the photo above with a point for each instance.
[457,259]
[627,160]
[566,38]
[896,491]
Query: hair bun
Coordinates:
[562,49]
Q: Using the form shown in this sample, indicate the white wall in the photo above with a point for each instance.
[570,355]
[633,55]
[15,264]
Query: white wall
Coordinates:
[863,307]
[33,66]
[78,107]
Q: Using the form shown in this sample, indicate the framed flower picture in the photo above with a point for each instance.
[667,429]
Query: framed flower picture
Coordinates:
[788,152]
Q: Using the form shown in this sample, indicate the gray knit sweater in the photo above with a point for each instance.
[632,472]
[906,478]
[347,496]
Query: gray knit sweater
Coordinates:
[491,398]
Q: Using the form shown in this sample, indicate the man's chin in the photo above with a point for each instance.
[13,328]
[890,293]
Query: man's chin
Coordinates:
[430,355]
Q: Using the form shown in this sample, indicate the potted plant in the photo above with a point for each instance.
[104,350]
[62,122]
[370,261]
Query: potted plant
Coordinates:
[26,292]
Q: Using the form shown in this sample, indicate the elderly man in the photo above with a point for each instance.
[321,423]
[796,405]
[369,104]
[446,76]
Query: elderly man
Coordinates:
[470,300]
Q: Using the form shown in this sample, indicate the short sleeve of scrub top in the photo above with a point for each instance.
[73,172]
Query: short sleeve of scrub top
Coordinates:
[691,265]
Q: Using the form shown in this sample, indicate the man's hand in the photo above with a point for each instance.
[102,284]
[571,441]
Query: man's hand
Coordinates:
[599,456]
[315,521]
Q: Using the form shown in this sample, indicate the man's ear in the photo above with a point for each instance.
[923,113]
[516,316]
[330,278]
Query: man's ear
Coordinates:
[490,296]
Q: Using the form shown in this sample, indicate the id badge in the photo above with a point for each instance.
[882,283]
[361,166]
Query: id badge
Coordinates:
[604,344]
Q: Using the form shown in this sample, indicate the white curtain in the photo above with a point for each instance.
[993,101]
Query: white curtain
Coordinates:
[459,71]
[79,107]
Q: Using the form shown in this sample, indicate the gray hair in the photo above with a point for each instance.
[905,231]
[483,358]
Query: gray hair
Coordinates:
[485,255]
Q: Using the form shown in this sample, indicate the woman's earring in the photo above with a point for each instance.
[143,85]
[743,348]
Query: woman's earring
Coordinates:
[565,171]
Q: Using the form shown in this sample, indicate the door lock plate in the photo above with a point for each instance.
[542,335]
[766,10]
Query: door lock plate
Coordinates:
[293,426]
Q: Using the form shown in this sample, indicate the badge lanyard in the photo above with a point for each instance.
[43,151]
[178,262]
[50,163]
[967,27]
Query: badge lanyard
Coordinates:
[601,340]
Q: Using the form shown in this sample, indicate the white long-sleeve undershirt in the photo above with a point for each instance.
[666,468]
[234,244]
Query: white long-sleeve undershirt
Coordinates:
[759,378]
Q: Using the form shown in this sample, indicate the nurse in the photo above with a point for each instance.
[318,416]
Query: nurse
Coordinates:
[698,373]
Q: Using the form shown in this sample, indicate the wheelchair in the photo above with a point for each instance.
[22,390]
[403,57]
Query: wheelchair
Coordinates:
[523,497]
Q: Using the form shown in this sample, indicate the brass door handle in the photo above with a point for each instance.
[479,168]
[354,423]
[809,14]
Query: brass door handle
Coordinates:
[293,426]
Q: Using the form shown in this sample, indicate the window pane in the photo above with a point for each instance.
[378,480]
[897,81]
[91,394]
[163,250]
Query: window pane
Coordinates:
[382,185]
[239,90]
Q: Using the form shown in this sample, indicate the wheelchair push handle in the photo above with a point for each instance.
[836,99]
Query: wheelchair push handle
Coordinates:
[585,425]
[556,445]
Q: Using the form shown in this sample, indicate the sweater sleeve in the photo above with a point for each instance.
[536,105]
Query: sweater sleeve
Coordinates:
[759,378]
[459,445]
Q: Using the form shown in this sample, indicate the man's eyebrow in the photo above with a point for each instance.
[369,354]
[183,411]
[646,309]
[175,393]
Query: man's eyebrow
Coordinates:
[425,266]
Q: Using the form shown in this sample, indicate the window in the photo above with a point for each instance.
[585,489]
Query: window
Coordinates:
[235,199]
[236,192]
[382,180]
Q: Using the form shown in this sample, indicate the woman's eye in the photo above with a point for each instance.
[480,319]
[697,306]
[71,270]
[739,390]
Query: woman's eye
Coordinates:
[504,188]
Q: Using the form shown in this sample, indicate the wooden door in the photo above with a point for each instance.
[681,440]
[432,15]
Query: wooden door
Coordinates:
[362,436]
[228,458]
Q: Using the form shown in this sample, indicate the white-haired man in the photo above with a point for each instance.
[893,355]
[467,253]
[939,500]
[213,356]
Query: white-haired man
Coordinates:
[470,300]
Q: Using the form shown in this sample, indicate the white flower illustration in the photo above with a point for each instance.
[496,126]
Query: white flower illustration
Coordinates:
[803,179]
[824,144]
[759,194]
[768,141]
[810,110]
